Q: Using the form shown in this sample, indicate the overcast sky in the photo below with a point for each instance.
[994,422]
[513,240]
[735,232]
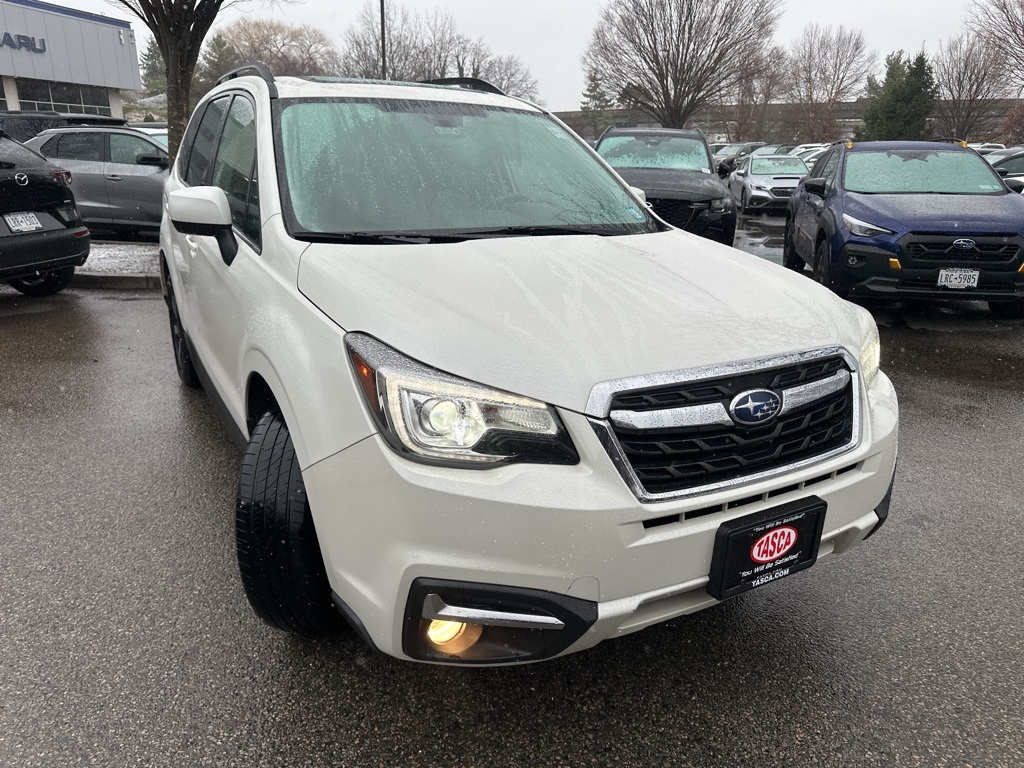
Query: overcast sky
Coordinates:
[551,35]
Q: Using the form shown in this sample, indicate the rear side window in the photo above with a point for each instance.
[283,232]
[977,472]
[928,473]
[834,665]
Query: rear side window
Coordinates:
[81,146]
[49,149]
[126,149]
[204,147]
[234,169]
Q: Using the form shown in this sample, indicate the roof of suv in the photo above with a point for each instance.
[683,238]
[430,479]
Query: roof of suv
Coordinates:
[622,131]
[898,146]
[325,88]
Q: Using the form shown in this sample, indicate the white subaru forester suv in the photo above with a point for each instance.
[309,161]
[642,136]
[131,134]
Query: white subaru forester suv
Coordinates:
[493,409]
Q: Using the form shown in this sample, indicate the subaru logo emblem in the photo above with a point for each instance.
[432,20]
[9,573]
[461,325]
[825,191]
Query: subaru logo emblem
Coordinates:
[964,244]
[757,406]
[22,179]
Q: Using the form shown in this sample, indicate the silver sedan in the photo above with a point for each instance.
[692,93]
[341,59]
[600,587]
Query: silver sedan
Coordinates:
[765,182]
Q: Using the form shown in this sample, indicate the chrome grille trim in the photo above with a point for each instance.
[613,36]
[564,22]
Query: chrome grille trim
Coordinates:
[601,396]
[797,397]
[690,416]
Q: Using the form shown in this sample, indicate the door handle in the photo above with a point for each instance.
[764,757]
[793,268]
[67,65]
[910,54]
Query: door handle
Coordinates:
[193,247]
[113,178]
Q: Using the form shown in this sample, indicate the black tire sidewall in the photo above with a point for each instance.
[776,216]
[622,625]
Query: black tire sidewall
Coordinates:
[278,551]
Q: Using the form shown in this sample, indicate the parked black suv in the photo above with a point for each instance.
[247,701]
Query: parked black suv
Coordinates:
[42,237]
[673,168]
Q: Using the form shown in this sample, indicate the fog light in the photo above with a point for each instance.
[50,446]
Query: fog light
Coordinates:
[895,264]
[853,260]
[453,636]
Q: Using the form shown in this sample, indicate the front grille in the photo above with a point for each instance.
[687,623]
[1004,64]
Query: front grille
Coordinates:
[678,213]
[685,457]
[935,248]
[782,191]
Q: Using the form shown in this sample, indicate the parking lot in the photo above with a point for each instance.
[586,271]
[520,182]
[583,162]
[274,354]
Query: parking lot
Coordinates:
[126,638]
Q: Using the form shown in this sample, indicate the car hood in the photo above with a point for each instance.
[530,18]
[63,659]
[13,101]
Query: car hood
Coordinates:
[550,317]
[679,185]
[939,213]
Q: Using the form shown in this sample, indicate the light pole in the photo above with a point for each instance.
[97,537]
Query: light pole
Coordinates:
[383,44]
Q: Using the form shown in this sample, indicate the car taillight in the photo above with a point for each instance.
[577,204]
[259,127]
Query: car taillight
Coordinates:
[63,176]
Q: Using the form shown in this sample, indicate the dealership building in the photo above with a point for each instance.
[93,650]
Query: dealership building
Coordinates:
[59,59]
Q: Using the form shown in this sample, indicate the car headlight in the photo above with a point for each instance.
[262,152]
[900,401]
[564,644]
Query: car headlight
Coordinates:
[435,418]
[870,354]
[721,204]
[862,228]
[759,187]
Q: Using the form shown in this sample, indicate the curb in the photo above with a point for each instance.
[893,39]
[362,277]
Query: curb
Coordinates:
[116,281]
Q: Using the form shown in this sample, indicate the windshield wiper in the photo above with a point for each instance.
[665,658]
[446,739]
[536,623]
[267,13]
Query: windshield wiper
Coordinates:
[472,234]
[373,238]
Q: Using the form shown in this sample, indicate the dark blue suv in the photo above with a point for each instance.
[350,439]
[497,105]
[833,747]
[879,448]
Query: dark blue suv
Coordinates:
[910,219]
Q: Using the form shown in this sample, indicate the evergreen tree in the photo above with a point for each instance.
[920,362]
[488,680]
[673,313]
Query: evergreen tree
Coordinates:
[218,58]
[902,103]
[597,104]
[154,73]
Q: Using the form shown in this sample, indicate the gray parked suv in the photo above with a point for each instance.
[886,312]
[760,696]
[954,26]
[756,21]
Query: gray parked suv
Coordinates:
[117,174]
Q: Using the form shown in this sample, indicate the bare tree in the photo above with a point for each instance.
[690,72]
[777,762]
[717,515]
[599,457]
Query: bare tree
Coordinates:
[438,45]
[511,75]
[360,55]
[762,82]
[471,58]
[1001,24]
[426,48]
[670,58]
[286,49]
[179,28]
[971,75]
[827,65]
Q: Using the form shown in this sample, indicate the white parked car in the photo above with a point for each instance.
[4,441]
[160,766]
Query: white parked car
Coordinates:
[494,410]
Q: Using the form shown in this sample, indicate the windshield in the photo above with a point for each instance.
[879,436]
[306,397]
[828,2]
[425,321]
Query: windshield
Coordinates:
[949,172]
[375,166]
[731,149]
[674,153]
[777,165]
[159,138]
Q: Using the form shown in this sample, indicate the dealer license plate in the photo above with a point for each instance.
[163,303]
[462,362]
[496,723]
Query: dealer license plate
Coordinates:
[957,277]
[22,222]
[761,548]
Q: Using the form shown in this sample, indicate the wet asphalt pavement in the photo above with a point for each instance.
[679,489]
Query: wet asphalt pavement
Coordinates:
[125,638]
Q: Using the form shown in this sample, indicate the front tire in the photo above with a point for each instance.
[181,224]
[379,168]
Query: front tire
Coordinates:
[44,284]
[278,552]
[790,258]
[823,270]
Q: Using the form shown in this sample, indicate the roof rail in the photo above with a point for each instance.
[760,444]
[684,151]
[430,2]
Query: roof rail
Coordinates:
[253,69]
[471,83]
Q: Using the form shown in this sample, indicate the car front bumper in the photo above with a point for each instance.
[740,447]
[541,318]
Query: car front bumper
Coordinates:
[875,277]
[385,525]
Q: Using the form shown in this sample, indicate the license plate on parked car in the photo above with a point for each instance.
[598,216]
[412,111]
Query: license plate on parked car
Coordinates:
[957,277]
[761,548]
[22,222]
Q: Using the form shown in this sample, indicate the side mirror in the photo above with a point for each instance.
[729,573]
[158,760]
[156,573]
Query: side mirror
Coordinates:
[740,173]
[158,160]
[639,193]
[816,187]
[1015,185]
[1002,171]
[204,211]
